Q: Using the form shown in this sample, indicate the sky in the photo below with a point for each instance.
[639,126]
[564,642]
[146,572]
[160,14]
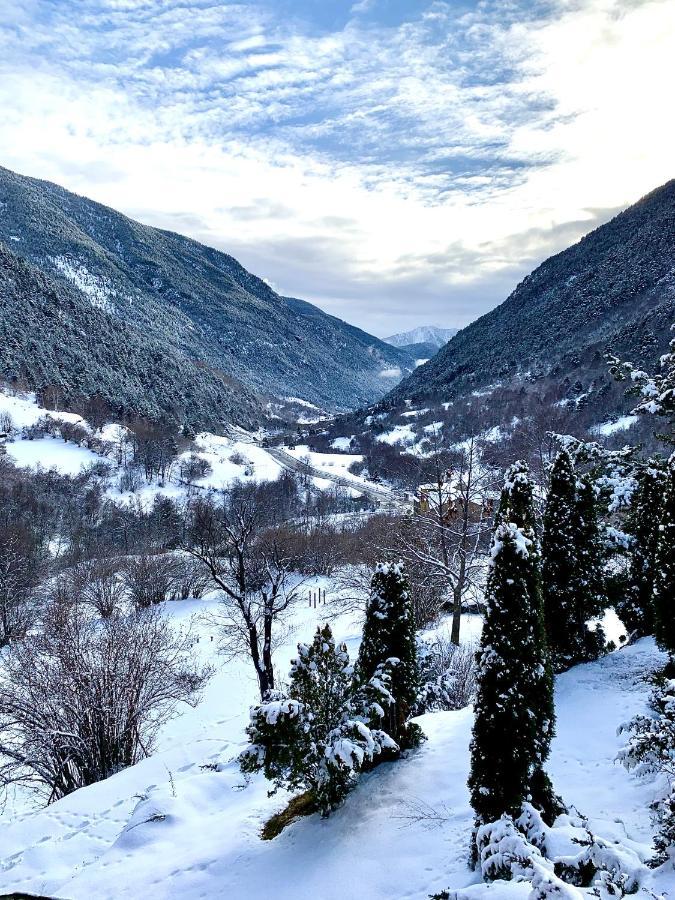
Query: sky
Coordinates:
[398,163]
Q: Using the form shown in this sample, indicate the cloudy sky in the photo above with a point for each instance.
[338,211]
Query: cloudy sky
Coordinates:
[396,162]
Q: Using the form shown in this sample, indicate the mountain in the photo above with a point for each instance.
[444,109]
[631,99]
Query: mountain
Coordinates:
[613,290]
[424,334]
[182,302]
[53,339]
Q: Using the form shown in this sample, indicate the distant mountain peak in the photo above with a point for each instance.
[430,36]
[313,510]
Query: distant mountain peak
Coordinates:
[423,334]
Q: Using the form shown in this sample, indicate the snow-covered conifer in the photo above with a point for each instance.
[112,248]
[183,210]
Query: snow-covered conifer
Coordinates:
[664,585]
[389,638]
[319,737]
[590,577]
[514,705]
[635,605]
[559,565]
[571,565]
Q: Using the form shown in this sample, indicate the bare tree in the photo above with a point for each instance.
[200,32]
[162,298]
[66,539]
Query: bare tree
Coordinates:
[20,567]
[149,578]
[82,699]
[103,587]
[446,537]
[190,577]
[254,576]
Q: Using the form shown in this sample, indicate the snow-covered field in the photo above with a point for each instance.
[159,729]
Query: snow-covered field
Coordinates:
[169,828]
[237,457]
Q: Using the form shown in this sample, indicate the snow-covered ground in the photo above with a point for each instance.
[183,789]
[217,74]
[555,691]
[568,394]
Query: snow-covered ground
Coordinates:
[169,828]
[235,457]
[51,453]
[623,423]
[335,463]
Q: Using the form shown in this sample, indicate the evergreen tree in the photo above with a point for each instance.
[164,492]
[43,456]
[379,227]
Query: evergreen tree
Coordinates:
[664,587]
[389,638]
[559,565]
[571,566]
[590,580]
[635,606]
[514,707]
[320,736]
[517,506]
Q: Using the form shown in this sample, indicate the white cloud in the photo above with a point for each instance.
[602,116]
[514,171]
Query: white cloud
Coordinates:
[391,173]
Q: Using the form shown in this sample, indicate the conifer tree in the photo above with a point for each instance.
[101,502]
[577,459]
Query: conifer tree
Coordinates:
[590,581]
[571,566]
[664,587]
[514,706]
[389,638]
[559,564]
[635,606]
[321,734]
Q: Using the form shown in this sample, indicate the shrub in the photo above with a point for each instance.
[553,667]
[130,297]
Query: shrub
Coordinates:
[325,731]
[82,699]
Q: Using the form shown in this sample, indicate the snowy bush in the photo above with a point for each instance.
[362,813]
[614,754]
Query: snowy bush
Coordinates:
[447,675]
[325,731]
[84,698]
[649,753]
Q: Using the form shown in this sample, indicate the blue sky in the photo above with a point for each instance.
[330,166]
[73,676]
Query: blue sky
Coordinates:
[397,162]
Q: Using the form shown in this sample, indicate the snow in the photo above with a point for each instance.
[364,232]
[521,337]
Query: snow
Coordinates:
[167,827]
[394,372]
[413,413]
[256,464]
[621,424]
[24,410]
[95,287]
[337,463]
[51,453]
[399,434]
[341,443]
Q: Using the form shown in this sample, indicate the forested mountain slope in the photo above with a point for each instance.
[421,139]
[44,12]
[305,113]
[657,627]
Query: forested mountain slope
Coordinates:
[614,289]
[198,304]
[52,338]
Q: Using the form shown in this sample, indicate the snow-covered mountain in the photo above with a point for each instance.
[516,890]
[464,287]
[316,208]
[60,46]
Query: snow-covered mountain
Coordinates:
[424,334]
[161,325]
[614,289]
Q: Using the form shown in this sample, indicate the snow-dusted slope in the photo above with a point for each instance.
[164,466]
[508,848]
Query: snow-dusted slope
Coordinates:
[169,828]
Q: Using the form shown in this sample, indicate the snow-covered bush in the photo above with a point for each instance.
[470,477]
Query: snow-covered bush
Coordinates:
[321,734]
[83,698]
[649,752]
[447,675]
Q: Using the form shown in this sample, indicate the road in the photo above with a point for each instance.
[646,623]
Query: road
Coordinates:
[375,493]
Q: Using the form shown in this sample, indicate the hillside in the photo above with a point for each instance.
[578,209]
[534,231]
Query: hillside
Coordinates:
[52,337]
[613,289]
[184,823]
[196,303]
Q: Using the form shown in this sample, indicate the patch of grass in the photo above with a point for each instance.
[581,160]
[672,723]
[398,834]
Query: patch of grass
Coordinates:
[303,805]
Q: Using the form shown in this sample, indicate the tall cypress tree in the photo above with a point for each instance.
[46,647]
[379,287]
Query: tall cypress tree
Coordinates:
[389,635]
[559,564]
[590,588]
[571,565]
[664,587]
[636,604]
[514,721]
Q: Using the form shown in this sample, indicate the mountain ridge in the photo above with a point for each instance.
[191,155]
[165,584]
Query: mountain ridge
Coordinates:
[613,289]
[201,303]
